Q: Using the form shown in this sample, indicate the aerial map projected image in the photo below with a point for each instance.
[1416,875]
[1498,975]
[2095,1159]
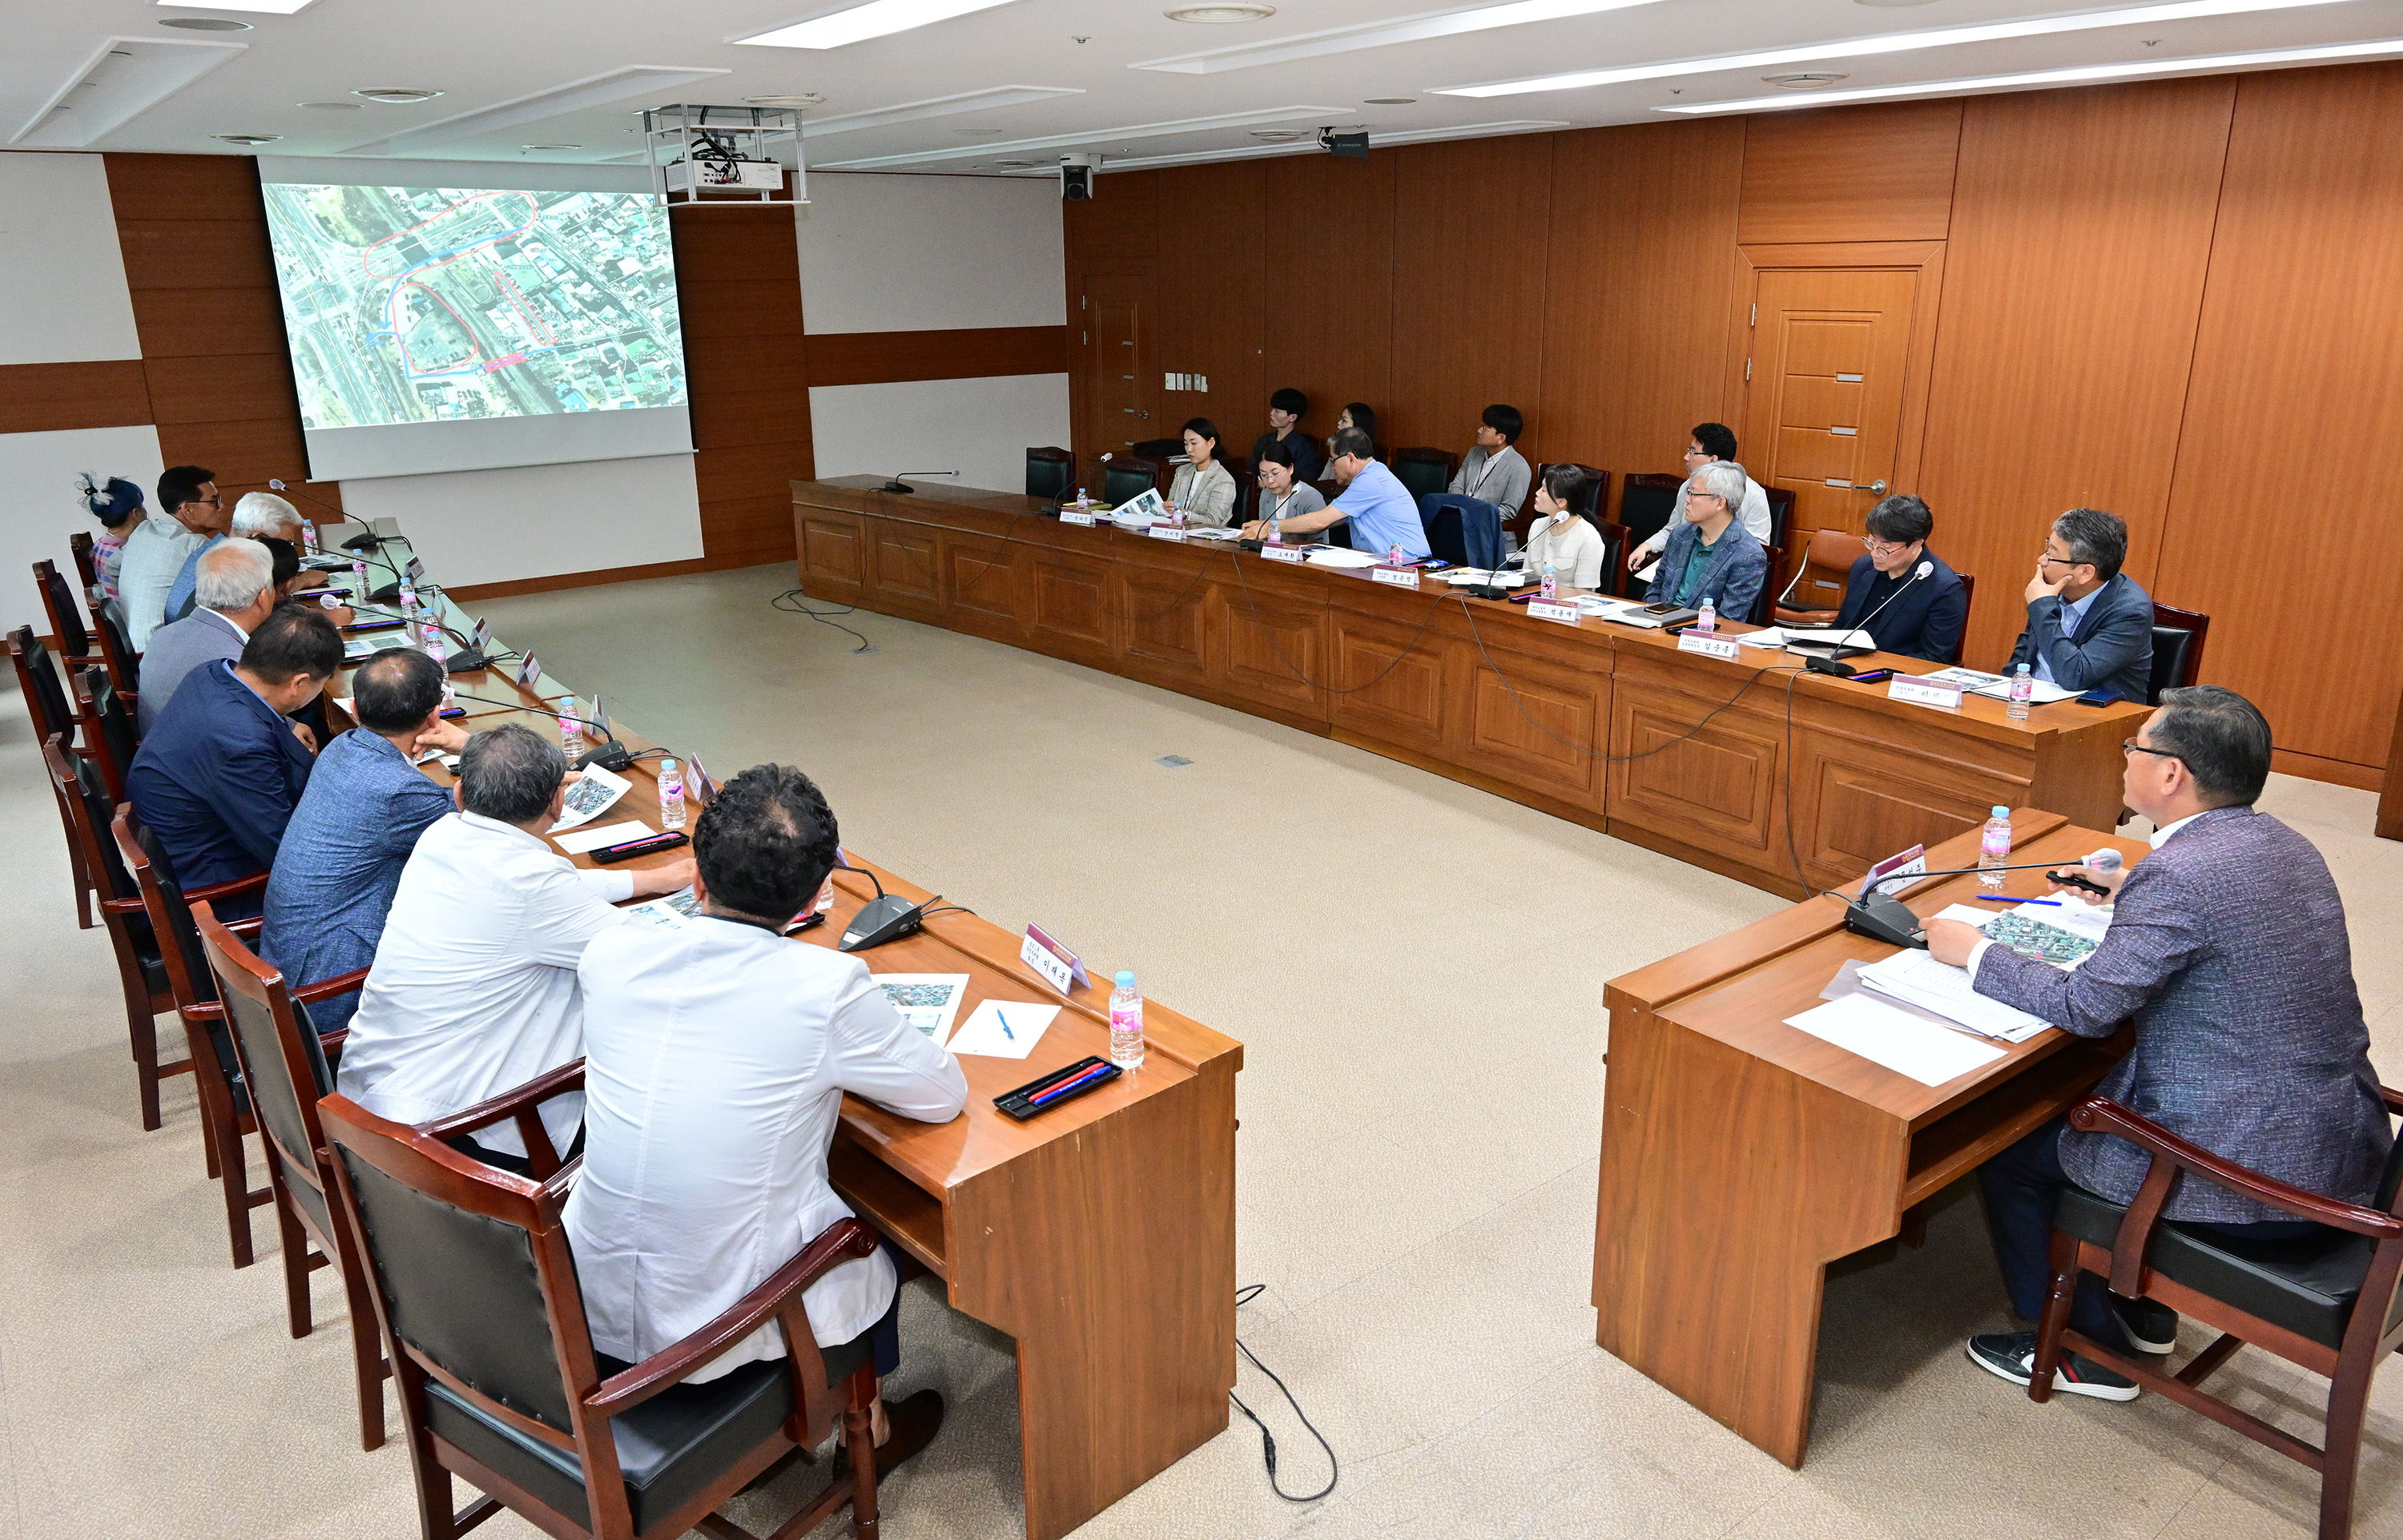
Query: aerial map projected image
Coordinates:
[435,304]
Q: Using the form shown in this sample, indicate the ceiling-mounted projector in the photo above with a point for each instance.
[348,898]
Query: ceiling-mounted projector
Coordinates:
[1353,144]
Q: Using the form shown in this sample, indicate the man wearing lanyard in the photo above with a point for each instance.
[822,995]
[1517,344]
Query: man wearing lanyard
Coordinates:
[1492,482]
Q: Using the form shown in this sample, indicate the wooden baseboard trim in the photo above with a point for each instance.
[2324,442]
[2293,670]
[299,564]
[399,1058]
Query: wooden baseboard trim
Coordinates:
[557,581]
[2340,772]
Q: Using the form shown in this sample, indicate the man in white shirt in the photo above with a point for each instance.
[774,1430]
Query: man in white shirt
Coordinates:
[716,1055]
[1710,443]
[189,512]
[473,992]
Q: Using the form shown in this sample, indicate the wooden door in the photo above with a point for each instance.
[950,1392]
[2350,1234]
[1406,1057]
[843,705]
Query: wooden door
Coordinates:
[1121,388]
[1824,408]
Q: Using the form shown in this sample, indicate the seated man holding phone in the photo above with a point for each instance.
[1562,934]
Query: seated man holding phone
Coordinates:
[2228,951]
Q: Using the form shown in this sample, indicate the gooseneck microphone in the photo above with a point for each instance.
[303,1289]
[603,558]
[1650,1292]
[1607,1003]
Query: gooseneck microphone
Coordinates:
[898,488]
[1924,569]
[1888,919]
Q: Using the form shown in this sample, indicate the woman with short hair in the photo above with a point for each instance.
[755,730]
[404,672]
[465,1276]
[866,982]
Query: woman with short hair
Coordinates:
[1202,491]
[1283,494]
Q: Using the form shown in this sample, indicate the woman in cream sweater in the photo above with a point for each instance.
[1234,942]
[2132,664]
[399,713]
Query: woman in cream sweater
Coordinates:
[1202,489]
[1571,544]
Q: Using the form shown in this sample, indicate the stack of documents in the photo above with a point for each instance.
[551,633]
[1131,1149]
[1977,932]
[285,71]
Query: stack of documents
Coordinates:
[1509,576]
[1994,687]
[2064,936]
[1929,1054]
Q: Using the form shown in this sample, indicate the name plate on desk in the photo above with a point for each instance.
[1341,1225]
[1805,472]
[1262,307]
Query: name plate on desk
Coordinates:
[1544,609]
[1059,967]
[1400,577]
[1167,532]
[1281,553]
[1710,643]
[1943,694]
[1071,516]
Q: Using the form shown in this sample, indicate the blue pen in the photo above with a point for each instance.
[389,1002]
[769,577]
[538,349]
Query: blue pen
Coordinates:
[2006,898]
[1004,1024]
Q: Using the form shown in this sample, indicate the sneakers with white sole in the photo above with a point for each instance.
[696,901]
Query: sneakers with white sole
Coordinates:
[2011,1356]
[2151,1325]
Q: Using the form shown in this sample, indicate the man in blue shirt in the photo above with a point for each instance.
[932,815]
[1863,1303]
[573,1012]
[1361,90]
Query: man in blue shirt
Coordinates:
[259,513]
[2088,625]
[221,770]
[1383,514]
[342,852]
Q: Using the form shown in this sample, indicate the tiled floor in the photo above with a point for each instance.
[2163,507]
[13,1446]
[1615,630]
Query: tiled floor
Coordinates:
[1416,971]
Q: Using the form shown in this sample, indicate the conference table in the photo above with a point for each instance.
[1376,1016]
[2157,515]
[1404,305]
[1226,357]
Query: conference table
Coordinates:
[1100,1235]
[1741,1156]
[1791,782]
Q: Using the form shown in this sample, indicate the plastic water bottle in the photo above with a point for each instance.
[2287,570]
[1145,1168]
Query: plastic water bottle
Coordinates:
[1394,557]
[408,602]
[1709,618]
[671,795]
[430,642]
[1126,1023]
[1276,532]
[571,726]
[359,582]
[2023,692]
[308,537]
[1995,849]
[1083,501]
[1551,583]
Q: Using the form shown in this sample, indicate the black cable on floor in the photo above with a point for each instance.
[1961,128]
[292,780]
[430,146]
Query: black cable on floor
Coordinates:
[790,602]
[1268,1440]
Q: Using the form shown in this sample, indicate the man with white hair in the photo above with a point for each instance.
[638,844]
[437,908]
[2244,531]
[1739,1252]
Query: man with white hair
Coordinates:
[235,585]
[1711,556]
[259,513]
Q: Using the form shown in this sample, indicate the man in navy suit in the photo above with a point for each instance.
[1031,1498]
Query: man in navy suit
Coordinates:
[1904,613]
[2228,951]
[2089,626]
[221,770]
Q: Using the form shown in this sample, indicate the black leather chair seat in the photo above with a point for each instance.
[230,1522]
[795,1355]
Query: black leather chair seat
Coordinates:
[2307,1285]
[669,1447]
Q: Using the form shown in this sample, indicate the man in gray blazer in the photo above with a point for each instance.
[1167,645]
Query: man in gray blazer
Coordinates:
[2228,951]
[2088,625]
[234,593]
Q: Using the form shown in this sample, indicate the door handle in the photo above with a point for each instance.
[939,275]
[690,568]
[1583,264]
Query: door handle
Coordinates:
[1875,489]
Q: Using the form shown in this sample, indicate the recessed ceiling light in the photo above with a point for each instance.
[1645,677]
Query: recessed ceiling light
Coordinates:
[876,19]
[273,8]
[1804,80]
[396,96]
[1388,101]
[1219,16]
[332,106]
[2080,75]
[205,24]
[797,99]
[1378,34]
[550,146]
[1885,43]
[247,138]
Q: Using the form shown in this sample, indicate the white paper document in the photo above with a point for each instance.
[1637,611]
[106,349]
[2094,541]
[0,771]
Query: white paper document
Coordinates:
[2046,692]
[593,837]
[1916,978]
[1646,575]
[589,795]
[1213,531]
[1335,557]
[929,1002]
[1003,1029]
[1904,1044]
[1509,576]
[1771,637]
[2063,935]
[1829,636]
[669,913]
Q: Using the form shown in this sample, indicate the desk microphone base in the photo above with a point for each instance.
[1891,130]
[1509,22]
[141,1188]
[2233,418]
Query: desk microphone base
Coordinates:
[1886,919]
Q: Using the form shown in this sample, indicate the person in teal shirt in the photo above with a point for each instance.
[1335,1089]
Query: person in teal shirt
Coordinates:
[1711,556]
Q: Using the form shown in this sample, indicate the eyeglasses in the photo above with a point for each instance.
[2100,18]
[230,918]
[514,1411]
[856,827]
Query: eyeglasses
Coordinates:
[1884,547]
[2046,557]
[2129,746]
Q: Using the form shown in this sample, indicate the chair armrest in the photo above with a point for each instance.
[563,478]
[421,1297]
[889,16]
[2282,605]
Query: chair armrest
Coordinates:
[844,1241]
[522,1106]
[325,989]
[122,906]
[215,890]
[2171,1156]
[2393,1097]
[332,1041]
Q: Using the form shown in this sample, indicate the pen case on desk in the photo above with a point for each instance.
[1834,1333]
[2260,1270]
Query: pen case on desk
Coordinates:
[1021,1103]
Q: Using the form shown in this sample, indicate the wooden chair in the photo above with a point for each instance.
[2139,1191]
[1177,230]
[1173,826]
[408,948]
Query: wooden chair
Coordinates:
[1424,470]
[80,547]
[65,615]
[46,702]
[2177,648]
[284,1068]
[2330,1305]
[477,1297]
[109,727]
[140,969]
[124,664]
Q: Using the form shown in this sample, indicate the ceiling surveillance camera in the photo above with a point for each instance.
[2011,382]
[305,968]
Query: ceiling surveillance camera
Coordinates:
[1077,177]
[1353,144]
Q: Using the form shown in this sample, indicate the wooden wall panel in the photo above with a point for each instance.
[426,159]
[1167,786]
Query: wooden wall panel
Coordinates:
[47,397]
[194,235]
[2297,372]
[1212,288]
[2081,230]
[1637,289]
[1115,231]
[1327,328]
[748,361]
[1850,173]
[965,352]
[1472,226]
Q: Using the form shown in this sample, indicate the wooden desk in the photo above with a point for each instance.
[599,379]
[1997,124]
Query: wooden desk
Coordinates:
[1101,1235]
[1550,715]
[1741,1156]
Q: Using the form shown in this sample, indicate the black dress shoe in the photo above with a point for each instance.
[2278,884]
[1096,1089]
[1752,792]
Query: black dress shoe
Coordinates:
[911,1426]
